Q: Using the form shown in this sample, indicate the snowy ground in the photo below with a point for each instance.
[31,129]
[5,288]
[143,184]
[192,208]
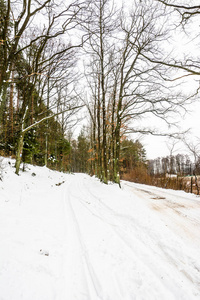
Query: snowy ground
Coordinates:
[69,237]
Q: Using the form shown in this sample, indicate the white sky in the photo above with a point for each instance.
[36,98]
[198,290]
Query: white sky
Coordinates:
[159,146]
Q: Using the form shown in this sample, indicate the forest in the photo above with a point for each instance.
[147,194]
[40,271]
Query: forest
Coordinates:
[102,66]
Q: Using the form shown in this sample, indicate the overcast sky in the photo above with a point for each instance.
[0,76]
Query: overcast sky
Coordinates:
[160,146]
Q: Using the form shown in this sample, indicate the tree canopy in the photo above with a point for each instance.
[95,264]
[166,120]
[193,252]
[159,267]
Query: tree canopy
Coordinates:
[57,57]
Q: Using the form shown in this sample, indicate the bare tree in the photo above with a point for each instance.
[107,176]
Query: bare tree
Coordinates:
[185,10]
[132,85]
[194,149]
[185,17]
[100,25]
[59,22]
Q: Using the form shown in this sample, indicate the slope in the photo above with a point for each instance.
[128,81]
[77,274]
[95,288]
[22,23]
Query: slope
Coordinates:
[70,237]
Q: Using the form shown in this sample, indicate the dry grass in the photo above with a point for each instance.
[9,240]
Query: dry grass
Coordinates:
[187,184]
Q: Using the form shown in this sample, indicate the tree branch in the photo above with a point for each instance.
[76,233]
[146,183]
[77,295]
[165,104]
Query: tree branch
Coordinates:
[49,117]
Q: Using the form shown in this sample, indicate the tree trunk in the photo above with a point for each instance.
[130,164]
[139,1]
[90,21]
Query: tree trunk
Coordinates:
[196,183]
[3,101]
[47,124]
[103,92]
[104,143]
[117,155]
[113,132]
[99,151]
[11,106]
[19,152]
[117,142]
[46,149]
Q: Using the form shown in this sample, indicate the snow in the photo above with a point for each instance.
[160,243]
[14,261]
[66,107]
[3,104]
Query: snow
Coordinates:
[68,236]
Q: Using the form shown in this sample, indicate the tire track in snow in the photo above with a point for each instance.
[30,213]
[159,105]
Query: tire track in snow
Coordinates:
[168,198]
[129,243]
[142,233]
[158,191]
[90,281]
[181,216]
[111,226]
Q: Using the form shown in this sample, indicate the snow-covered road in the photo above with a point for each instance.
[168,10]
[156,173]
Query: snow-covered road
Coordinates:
[97,241]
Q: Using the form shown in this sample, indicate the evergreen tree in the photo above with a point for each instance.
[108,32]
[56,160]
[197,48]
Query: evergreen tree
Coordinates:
[133,154]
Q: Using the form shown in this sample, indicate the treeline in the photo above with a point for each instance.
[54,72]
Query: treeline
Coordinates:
[91,54]
[37,79]
[178,172]
[179,164]
[133,155]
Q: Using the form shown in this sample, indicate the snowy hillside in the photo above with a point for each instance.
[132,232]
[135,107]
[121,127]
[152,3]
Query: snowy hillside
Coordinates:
[69,237]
